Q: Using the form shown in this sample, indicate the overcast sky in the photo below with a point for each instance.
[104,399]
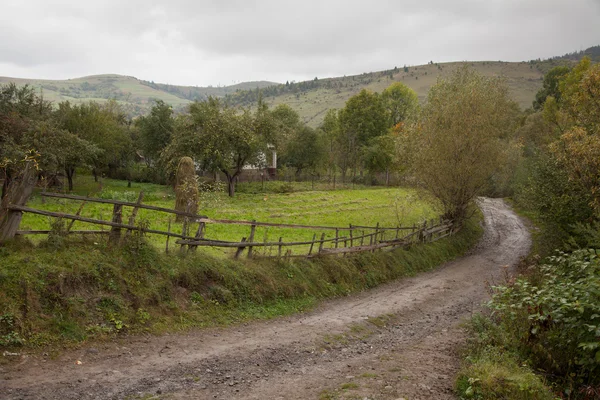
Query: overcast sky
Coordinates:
[221,42]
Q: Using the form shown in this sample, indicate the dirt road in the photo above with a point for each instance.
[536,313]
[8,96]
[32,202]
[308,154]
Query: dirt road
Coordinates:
[397,341]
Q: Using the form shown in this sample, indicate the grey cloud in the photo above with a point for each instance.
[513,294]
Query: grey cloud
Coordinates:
[211,41]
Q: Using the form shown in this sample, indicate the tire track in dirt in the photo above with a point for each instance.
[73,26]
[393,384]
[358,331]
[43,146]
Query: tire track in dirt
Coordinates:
[342,349]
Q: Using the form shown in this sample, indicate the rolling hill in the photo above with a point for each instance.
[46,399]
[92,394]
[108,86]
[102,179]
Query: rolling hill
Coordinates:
[311,99]
[134,94]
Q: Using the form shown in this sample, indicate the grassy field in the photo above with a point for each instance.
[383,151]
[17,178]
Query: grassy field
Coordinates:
[365,206]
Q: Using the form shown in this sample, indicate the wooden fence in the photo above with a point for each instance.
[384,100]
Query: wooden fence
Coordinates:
[350,239]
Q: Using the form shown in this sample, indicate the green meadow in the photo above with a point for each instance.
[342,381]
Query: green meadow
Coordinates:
[363,206]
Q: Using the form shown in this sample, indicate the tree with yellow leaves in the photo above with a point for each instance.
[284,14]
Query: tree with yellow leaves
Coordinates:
[578,148]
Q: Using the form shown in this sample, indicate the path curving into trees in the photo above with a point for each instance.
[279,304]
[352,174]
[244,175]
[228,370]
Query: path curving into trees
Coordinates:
[398,340]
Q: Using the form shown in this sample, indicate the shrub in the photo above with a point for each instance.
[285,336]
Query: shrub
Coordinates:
[557,320]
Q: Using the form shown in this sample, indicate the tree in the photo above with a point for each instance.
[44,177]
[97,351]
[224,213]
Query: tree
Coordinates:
[578,148]
[20,111]
[400,102]
[550,86]
[60,150]
[286,122]
[330,129]
[362,119]
[461,138]
[155,130]
[105,126]
[380,156]
[222,139]
[305,151]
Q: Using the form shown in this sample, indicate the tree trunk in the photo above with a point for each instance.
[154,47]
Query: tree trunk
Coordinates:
[70,171]
[18,193]
[230,182]
[5,186]
[230,186]
[95,173]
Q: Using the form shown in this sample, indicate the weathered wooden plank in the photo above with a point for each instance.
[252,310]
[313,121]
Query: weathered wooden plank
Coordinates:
[220,243]
[77,213]
[356,249]
[134,212]
[122,203]
[240,248]
[251,239]
[80,232]
[92,221]
[321,242]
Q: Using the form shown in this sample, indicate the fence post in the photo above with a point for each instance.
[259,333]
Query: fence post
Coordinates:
[337,237]
[77,213]
[362,237]
[312,244]
[279,247]
[134,212]
[18,194]
[117,218]
[321,244]
[240,249]
[351,236]
[168,236]
[199,235]
[251,238]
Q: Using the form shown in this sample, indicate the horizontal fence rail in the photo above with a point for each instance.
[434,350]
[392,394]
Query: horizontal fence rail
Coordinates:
[348,239]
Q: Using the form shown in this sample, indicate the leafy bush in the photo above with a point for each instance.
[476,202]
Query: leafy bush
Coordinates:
[557,320]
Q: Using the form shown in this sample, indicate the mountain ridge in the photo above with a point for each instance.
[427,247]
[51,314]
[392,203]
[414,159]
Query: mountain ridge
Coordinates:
[311,98]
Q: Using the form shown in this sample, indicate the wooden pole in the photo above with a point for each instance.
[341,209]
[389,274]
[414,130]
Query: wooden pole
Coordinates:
[117,218]
[168,236]
[362,239]
[240,249]
[337,237]
[351,240]
[199,235]
[134,212]
[251,238]
[321,244]
[77,213]
[312,244]
[279,247]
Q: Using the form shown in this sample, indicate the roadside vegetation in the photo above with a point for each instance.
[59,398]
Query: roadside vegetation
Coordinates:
[541,337]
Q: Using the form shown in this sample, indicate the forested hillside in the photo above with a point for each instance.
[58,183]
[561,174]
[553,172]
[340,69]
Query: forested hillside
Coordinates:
[310,99]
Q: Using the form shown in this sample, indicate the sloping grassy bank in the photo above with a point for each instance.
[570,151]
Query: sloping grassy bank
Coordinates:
[59,292]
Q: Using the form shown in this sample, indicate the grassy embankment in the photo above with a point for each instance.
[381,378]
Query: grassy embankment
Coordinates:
[71,290]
